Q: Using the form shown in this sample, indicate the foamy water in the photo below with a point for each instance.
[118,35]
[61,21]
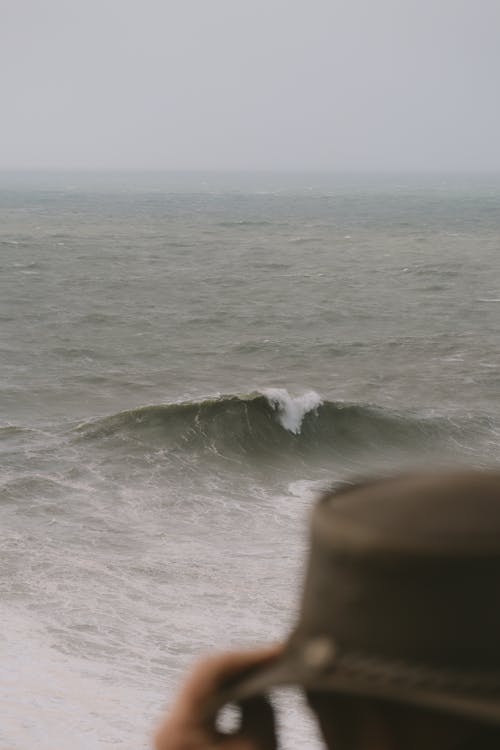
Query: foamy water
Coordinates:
[292,410]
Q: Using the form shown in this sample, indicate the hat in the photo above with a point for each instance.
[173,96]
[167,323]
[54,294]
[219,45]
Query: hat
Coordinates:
[401,599]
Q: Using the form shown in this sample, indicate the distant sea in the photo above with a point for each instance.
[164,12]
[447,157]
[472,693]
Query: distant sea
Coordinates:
[185,361]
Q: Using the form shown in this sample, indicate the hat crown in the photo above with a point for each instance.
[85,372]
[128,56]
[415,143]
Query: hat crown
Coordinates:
[444,514]
[408,569]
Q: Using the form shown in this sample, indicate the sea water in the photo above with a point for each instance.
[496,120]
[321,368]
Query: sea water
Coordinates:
[186,361]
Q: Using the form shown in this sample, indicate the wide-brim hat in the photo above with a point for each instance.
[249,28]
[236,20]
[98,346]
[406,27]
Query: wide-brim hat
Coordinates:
[401,599]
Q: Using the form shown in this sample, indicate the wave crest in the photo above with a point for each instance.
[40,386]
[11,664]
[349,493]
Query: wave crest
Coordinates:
[292,410]
[270,422]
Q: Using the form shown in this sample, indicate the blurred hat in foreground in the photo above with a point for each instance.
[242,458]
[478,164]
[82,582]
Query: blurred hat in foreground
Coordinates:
[401,598]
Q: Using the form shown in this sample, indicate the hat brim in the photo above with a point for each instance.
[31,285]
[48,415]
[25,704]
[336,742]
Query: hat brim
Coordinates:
[289,670]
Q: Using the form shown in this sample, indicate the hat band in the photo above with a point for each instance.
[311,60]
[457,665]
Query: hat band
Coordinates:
[412,675]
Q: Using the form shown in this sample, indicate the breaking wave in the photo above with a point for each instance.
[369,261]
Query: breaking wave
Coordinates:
[271,421]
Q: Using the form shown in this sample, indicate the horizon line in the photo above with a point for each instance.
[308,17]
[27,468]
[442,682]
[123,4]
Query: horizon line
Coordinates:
[254,170]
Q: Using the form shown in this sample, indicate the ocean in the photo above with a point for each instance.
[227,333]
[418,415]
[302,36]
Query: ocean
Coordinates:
[186,361]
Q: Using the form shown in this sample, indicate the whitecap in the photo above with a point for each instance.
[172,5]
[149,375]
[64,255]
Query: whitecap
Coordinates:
[292,409]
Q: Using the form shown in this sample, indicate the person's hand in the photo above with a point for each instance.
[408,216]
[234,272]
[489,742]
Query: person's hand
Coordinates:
[190,724]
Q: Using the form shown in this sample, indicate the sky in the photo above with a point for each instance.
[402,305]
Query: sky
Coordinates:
[334,85]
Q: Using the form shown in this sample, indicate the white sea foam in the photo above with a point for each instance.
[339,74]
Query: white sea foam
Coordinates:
[307,490]
[50,699]
[292,409]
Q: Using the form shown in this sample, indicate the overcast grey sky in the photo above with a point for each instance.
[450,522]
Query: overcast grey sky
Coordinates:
[261,84]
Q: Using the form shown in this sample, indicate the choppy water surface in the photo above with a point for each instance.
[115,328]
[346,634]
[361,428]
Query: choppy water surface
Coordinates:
[185,361]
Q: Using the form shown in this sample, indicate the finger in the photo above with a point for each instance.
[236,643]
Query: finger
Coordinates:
[258,722]
[213,673]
